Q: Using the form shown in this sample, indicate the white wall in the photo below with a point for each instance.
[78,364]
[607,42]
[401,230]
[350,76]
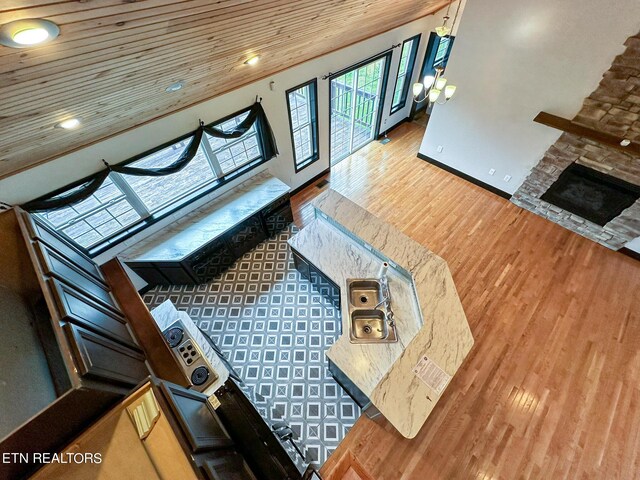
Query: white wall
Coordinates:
[511,60]
[64,170]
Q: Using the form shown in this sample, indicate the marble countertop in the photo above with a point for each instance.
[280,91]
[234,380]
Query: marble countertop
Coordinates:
[180,239]
[165,314]
[431,323]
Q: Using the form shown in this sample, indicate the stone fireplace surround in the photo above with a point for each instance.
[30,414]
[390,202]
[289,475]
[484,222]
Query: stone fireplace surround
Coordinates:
[614,108]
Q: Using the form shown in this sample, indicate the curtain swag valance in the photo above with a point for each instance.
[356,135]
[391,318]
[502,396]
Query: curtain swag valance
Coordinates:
[87,188]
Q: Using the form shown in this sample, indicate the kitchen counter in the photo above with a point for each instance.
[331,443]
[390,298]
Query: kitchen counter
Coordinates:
[193,231]
[346,241]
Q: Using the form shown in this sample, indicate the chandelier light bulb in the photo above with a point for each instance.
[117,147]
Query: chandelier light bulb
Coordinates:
[429,81]
[449,91]
[440,83]
[417,89]
[434,93]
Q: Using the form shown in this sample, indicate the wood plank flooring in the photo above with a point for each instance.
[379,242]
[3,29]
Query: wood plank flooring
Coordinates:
[551,388]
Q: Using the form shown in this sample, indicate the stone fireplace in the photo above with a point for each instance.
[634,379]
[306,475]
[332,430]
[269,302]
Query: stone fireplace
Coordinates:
[586,186]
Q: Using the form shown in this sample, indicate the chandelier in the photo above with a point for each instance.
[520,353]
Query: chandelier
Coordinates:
[433,87]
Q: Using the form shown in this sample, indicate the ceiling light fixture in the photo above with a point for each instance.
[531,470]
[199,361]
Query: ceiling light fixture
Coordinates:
[253,60]
[174,87]
[70,124]
[444,29]
[433,86]
[28,32]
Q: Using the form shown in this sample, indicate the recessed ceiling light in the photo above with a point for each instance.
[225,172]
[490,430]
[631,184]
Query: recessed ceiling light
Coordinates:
[174,87]
[70,124]
[28,32]
[253,60]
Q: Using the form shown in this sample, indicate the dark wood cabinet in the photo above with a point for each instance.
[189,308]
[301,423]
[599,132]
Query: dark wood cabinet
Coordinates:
[277,215]
[103,359]
[230,466]
[323,284]
[75,307]
[218,255]
[198,420]
[246,235]
[90,356]
[254,438]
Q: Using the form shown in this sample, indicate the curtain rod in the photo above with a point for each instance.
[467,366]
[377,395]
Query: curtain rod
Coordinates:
[362,62]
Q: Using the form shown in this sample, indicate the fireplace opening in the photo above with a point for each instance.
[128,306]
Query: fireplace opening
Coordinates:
[590,194]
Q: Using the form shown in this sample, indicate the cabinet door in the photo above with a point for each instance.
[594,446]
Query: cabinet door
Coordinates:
[39,231]
[246,235]
[198,420]
[211,260]
[255,440]
[230,466]
[60,267]
[103,359]
[79,309]
[278,215]
[175,273]
[149,273]
[301,264]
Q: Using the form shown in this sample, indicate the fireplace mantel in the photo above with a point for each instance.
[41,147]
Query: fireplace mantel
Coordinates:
[603,138]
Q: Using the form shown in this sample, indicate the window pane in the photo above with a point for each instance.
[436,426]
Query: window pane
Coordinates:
[302,113]
[157,192]
[95,219]
[404,71]
[234,153]
[443,46]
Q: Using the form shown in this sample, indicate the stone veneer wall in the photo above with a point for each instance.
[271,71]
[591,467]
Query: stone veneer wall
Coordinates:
[614,107]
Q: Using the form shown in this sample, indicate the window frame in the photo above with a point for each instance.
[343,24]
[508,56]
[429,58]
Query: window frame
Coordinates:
[315,156]
[172,207]
[411,64]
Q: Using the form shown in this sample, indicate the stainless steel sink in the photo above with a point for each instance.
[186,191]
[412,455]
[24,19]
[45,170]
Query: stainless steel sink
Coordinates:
[366,293]
[370,314]
[369,324]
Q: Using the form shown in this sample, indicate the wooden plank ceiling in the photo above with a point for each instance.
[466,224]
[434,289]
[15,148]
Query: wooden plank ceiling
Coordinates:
[114,58]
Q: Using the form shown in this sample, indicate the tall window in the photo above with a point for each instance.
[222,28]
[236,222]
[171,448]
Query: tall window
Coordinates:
[405,71]
[442,52]
[303,120]
[124,201]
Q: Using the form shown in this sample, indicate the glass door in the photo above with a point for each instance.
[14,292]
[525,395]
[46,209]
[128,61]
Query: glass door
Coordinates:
[356,98]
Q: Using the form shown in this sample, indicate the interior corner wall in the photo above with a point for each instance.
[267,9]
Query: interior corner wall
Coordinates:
[511,60]
[47,177]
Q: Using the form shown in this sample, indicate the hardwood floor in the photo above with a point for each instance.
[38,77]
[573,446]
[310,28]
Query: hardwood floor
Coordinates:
[551,388]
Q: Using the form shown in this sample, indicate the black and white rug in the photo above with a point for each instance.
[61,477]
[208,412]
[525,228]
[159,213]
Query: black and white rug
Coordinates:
[275,329]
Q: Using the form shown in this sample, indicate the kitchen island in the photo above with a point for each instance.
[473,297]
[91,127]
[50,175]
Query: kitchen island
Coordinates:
[403,380]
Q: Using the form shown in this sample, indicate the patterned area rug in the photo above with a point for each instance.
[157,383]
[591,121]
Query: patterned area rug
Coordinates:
[275,328]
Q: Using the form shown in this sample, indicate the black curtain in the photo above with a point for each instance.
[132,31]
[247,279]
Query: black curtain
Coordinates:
[90,185]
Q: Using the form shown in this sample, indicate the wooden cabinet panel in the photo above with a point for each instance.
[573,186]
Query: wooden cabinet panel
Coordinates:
[175,273]
[301,264]
[230,466]
[246,235]
[254,438]
[58,266]
[198,420]
[277,215]
[149,273]
[79,309]
[104,359]
[39,231]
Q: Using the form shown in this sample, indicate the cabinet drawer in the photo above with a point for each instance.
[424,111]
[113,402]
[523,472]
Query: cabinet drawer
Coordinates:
[38,231]
[229,466]
[80,310]
[175,273]
[56,265]
[103,359]
[198,421]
